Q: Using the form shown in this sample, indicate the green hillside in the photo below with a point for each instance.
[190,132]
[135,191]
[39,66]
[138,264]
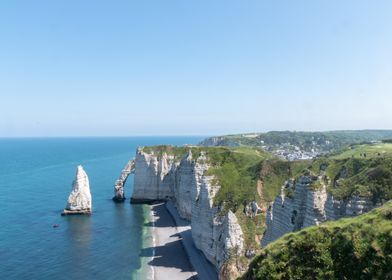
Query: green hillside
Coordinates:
[364,170]
[327,141]
[354,248]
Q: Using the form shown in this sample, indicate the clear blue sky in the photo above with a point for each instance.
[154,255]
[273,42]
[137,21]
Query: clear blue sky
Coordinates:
[167,67]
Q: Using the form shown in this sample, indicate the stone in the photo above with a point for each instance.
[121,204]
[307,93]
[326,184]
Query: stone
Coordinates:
[154,177]
[119,185]
[309,207]
[79,200]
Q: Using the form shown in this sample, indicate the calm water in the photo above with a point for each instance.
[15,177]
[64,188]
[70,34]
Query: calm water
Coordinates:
[35,181]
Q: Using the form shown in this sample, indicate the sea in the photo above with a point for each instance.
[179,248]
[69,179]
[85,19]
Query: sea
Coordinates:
[36,242]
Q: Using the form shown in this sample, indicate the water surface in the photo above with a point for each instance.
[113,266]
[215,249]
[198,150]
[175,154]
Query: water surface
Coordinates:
[35,180]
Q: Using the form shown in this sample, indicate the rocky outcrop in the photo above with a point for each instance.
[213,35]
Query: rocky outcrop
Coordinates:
[154,177]
[119,185]
[185,180]
[252,209]
[186,183]
[79,200]
[306,206]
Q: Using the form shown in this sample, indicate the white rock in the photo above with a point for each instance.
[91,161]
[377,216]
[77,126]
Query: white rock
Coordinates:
[154,177]
[308,207]
[79,200]
[119,185]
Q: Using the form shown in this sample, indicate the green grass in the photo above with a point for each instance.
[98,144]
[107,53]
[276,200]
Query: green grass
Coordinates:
[237,171]
[327,141]
[275,172]
[353,248]
[366,151]
[351,173]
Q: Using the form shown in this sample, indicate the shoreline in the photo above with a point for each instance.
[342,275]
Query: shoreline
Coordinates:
[167,255]
[203,268]
[154,244]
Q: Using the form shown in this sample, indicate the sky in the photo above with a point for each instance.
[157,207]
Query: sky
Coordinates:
[193,67]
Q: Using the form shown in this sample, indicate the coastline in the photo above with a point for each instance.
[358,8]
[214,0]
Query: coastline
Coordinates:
[166,255]
[145,271]
[203,268]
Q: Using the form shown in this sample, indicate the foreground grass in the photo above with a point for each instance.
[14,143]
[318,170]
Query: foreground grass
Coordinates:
[354,248]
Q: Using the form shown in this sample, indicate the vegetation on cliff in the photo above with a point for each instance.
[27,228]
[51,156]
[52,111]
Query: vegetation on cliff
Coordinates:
[362,170]
[353,248]
[236,171]
[275,172]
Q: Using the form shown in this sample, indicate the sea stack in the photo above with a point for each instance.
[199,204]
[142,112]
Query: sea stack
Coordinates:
[79,200]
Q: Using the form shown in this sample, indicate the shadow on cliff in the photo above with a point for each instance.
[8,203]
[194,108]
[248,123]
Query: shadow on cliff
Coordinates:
[169,255]
[163,217]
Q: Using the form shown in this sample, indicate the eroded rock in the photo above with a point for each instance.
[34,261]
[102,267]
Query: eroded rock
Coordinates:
[79,200]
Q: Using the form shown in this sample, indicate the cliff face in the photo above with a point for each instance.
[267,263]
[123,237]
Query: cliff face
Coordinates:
[307,206]
[153,177]
[218,235]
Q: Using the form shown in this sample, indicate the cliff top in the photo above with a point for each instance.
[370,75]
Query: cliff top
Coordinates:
[363,170]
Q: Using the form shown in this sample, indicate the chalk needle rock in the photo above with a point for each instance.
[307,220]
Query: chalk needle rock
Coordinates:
[79,200]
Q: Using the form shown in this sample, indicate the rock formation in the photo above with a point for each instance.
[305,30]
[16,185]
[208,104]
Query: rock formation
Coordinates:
[119,185]
[154,177]
[79,200]
[307,207]
[185,182]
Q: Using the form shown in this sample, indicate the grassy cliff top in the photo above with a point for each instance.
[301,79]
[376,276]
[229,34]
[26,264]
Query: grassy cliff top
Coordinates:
[353,248]
[216,155]
[366,151]
[338,138]
[236,169]
[364,170]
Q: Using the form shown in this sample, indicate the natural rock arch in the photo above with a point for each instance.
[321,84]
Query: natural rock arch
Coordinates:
[119,185]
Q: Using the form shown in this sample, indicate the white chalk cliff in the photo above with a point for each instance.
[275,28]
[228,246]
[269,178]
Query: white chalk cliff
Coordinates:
[162,177]
[79,200]
[308,207]
[153,178]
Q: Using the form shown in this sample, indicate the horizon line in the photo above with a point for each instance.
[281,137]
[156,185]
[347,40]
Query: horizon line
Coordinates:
[187,135]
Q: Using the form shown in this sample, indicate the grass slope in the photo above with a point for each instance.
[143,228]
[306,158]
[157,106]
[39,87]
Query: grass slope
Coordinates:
[364,170]
[353,248]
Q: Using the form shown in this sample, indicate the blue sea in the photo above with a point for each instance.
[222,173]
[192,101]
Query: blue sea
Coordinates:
[35,180]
